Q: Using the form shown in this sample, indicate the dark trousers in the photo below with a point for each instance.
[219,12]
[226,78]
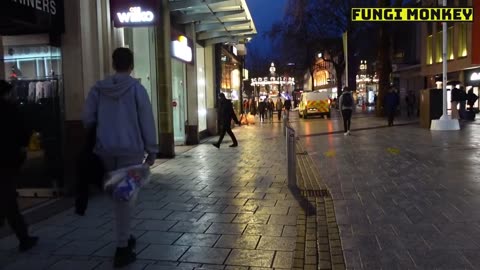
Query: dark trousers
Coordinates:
[262,115]
[410,110]
[279,115]
[227,129]
[391,117]
[9,205]
[347,119]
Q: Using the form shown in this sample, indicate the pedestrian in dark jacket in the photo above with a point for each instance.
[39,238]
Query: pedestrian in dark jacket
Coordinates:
[391,103]
[279,107]
[271,107]
[262,107]
[471,99]
[90,171]
[227,114]
[13,142]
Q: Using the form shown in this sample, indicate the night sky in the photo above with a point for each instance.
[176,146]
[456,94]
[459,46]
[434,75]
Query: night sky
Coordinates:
[265,13]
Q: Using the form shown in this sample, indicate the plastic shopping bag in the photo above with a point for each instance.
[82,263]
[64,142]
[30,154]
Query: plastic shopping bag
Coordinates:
[125,183]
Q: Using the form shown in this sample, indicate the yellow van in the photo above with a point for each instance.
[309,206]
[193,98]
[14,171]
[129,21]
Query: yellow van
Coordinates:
[314,103]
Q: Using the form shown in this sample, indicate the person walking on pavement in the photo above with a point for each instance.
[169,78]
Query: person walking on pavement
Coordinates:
[463,103]
[288,106]
[271,107]
[262,107]
[346,108]
[410,100]
[455,99]
[279,107]
[13,142]
[119,108]
[227,114]
[391,104]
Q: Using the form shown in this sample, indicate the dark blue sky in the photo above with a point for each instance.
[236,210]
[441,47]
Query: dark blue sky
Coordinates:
[265,13]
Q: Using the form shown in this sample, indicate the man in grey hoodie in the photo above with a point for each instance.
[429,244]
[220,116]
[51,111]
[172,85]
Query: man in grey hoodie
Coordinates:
[120,110]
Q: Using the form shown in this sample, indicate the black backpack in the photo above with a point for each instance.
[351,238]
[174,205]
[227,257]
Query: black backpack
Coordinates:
[347,100]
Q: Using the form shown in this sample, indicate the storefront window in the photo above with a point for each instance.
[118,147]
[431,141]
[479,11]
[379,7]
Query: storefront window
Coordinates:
[439,47]
[201,88]
[141,41]
[35,71]
[231,79]
[429,50]
[462,39]
[450,38]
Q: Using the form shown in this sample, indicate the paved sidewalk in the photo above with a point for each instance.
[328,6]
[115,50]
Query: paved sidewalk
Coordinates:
[404,197]
[205,209]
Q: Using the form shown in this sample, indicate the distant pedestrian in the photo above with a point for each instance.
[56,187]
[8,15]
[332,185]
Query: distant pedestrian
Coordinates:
[120,110]
[455,99]
[262,108]
[279,107]
[227,114]
[13,142]
[410,101]
[288,106]
[346,104]
[391,104]
[471,99]
[271,108]
[463,103]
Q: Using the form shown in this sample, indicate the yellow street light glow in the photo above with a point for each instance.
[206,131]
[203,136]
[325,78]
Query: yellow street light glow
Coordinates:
[412,14]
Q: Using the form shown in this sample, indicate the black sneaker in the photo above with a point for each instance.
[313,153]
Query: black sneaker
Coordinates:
[132,242]
[28,243]
[123,257]
[234,145]
[216,145]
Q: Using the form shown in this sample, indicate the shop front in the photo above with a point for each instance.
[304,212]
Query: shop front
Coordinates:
[472,82]
[182,55]
[231,77]
[31,60]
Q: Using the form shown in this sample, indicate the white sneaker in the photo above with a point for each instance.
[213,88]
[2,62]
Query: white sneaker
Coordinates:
[346,133]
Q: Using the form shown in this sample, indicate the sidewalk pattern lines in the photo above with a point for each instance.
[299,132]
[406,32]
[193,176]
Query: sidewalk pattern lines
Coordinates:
[206,209]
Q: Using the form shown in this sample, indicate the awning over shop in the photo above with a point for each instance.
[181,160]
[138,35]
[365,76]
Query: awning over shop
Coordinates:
[216,21]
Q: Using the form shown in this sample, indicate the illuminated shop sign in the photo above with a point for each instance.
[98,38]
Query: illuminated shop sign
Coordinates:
[129,13]
[475,76]
[136,15]
[182,50]
[18,17]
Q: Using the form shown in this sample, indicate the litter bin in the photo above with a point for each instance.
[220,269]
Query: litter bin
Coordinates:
[431,102]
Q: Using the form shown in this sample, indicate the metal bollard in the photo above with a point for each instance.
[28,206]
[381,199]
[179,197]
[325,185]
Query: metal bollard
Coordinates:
[285,125]
[291,157]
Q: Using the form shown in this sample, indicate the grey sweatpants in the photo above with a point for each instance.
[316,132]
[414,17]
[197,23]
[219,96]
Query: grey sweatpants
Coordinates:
[123,211]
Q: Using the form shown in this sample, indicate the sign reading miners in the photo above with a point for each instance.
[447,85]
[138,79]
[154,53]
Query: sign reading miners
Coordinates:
[440,14]
[20,17]
[134,13]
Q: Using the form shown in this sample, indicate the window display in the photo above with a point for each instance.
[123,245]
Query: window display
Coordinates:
[35,74]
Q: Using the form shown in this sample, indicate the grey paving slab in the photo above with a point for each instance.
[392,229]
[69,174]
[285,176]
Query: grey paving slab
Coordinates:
[80,248]
[238,241]
[74,265]
[199,208]
[264,230]
[254,258]
[277,243]
[205,255]
[162,252]
[197,239]
[400,190]
[162,238]
[226,228]
[191,227]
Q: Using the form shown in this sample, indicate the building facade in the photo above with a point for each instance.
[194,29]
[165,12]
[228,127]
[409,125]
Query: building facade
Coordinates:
[64,51]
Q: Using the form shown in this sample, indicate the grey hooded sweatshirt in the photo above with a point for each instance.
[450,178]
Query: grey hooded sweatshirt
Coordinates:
[120,108]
